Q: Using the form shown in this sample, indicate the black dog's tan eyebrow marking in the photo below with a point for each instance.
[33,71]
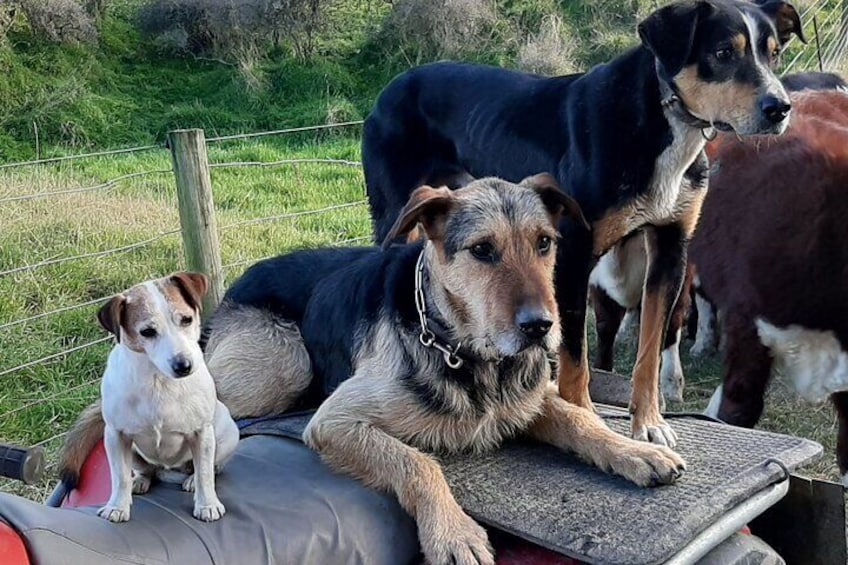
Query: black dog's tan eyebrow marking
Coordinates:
[740,42]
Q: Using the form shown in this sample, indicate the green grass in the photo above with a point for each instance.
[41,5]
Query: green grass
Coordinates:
[136,210]
[64,100]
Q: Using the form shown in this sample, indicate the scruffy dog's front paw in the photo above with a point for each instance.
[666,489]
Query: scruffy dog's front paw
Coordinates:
[453,537]
[209,512]
[114,514]
[647,465]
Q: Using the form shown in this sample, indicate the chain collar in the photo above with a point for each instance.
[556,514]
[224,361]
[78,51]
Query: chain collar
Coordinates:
[432,333]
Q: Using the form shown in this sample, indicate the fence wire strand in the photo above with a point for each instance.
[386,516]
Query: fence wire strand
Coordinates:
[102,186]
[61,394]
[52,312]
[53,356]
[290,215]
[80,156]
[112,251]
[246,261]
[283,131]
[344,162]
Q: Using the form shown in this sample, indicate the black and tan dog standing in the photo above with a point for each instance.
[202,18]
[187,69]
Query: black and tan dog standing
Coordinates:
[626,138]
[443,345]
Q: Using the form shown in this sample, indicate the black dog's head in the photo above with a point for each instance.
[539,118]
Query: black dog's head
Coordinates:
[719,57]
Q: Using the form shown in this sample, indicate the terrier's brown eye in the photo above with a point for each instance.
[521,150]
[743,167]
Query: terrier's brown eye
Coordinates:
[545,244]
[186,321]
[148,333]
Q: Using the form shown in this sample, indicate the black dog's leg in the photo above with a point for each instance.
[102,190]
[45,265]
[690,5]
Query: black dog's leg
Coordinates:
[666,247]
[574,263]
[608,316]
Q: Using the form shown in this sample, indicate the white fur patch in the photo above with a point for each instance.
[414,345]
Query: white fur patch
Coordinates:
[812,360]
[620,272]
[715,402]
[671,373]
[705,339]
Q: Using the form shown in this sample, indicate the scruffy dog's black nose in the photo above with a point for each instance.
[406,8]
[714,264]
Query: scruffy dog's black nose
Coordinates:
[534,323]
[181,366]
[775,109]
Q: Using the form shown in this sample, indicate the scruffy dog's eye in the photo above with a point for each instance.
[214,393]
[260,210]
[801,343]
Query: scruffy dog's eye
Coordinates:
[484,251]
[724,54]
[186,321]
[545,243]
[148,333]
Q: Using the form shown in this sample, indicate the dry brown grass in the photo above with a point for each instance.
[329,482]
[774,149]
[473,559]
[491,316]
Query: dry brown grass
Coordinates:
[551,51]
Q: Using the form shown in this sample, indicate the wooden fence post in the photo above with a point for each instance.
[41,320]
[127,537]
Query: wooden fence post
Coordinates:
[197,210]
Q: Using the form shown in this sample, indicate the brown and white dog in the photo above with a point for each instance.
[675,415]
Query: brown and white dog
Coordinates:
[158,414]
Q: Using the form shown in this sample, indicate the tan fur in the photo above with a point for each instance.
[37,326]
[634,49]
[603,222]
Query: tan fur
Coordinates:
[644,402]
[739,42]
[731,102]
[86,432]
[378,427]
[612,227]
[278,369]
[573,378]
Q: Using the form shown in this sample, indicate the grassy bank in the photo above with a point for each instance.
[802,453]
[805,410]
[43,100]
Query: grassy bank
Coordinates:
[122,92]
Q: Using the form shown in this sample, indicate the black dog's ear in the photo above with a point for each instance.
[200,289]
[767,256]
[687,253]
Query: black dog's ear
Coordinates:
[558,203]
[111,315]
[193,287]
[427,206]
[669,33]
[786,19]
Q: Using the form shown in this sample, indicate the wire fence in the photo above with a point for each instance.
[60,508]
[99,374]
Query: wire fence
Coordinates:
[11,329]
[827,48]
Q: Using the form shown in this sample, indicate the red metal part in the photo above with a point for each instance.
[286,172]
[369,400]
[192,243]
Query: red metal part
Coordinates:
[94,483]
[12,548]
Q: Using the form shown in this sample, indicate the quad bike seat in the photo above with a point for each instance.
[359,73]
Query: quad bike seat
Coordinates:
[541,506]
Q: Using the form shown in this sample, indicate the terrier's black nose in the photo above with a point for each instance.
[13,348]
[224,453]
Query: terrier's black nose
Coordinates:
[534,323]
[775,109]
[181,366]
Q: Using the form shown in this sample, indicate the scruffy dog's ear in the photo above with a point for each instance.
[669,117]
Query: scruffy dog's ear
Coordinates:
[111,315]
[558,203]
[669,33]
[427,206]
[193,287]
[786,19]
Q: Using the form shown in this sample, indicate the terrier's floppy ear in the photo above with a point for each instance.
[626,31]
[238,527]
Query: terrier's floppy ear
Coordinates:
[426,206]
[193,287]
[558,203]
[111,315]
[786,19]
[669,34]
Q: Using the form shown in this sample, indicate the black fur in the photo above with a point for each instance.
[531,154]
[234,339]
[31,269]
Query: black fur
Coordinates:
[336,295]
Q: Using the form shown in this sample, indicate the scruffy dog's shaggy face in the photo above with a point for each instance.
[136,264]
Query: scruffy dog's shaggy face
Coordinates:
[495,250]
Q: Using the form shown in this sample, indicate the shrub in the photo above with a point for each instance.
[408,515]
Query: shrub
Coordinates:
[230,28]
[549,52]
[59,21]
[440,28]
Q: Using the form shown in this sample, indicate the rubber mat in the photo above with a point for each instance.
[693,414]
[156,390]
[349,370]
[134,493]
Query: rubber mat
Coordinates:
[550,498]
